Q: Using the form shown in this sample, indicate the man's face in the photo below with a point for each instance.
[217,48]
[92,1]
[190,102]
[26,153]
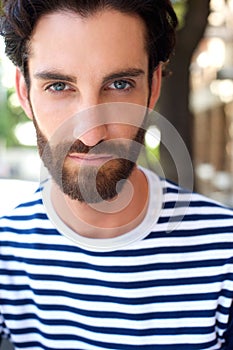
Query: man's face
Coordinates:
[77,63]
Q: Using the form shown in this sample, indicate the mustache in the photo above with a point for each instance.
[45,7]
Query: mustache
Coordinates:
[79,147]
[61,150]
[109,147]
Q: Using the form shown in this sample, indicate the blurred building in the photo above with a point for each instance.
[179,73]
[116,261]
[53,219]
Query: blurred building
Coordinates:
[212,105]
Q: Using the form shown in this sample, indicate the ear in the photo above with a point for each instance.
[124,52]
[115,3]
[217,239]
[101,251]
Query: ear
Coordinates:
[155,86]
[22,93]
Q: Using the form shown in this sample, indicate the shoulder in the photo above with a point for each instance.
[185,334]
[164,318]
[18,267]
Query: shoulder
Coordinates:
[29,207]
[191,214]
[185,212]
[177,196]
[14,192]
[195,202]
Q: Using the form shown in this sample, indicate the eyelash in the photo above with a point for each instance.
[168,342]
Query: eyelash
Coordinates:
[51,86]
[127,82]
[68,88]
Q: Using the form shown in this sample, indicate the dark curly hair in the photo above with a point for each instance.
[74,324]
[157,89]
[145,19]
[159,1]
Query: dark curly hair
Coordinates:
[19,17]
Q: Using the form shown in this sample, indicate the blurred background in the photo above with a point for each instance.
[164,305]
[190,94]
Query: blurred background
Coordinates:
[197,98]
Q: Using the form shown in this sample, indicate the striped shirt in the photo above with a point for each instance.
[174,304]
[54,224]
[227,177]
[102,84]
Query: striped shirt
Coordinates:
[166,285]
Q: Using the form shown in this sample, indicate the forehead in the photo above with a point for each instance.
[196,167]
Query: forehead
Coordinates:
[65,35]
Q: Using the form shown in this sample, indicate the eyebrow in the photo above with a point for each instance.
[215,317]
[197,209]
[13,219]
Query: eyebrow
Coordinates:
[132,72]
[55,75]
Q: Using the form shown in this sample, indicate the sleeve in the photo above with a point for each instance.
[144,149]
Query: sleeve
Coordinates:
[229,333]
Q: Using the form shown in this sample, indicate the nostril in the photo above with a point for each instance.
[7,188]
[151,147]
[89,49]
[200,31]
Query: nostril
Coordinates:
[94,136]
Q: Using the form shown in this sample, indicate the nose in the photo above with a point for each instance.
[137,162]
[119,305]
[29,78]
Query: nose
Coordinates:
[93,123]
[94,135]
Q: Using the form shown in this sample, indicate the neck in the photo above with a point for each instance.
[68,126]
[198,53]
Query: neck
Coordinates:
[107,219]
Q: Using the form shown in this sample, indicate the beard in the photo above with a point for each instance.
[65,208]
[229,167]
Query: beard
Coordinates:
[90,184]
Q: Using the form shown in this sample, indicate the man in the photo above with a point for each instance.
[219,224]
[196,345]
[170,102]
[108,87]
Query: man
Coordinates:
[89,262]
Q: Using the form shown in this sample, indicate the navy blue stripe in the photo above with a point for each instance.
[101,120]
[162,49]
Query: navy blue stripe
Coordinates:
[195,217]
[117,268]
[34,230]
[192,204]
[31,203]
[191,346]
[19,218]
[116,330]
[149,251]
[194,232]
[107,345]
[111,299]
[144,316]
[125,285]
[177,190]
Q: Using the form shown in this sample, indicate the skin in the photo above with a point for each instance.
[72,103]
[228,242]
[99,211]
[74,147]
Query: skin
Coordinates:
[78,63]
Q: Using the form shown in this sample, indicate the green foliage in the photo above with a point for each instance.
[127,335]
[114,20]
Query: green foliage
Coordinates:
[180,7]
[10,116]
[1,8]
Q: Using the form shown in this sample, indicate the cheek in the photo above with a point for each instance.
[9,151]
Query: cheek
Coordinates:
[48,117]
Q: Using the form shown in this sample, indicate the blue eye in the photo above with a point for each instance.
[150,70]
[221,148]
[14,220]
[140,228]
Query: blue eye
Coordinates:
[121,84]
[58,87]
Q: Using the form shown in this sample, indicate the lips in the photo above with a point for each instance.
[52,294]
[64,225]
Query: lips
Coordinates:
[90,159]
